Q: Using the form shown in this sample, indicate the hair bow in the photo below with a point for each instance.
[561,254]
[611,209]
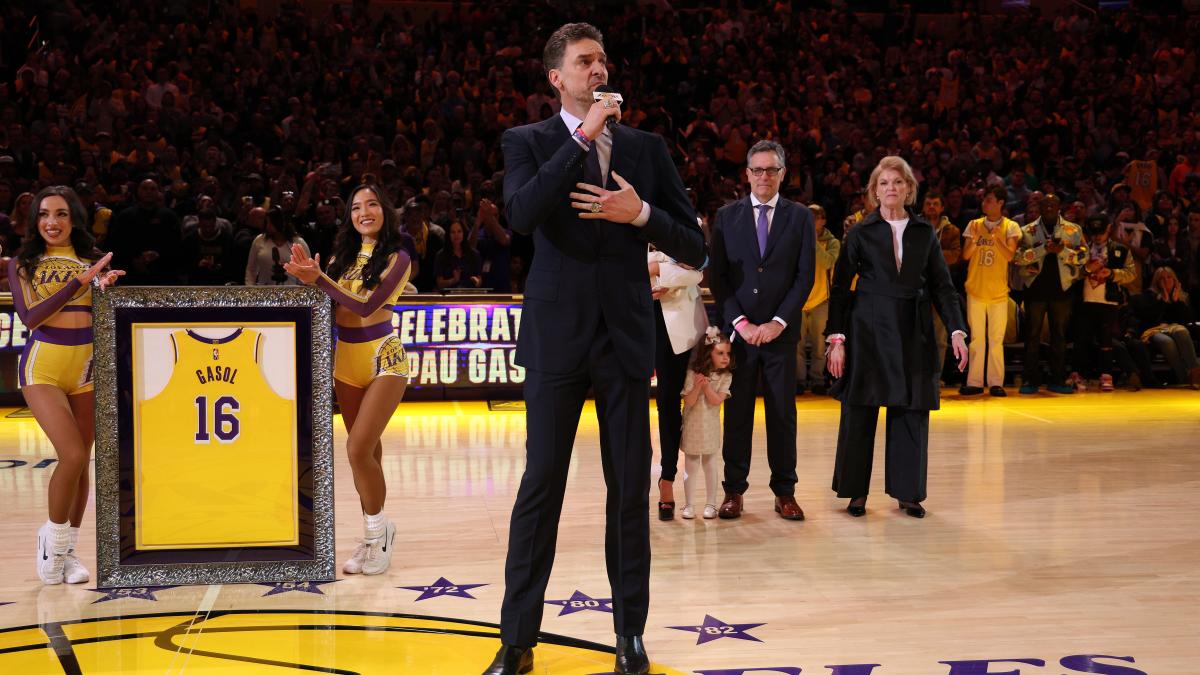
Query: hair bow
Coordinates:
[712,335]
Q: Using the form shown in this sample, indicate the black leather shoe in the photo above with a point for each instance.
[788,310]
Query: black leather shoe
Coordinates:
[631,656]
[857,507]
[511,660]
[666,510]
[913,509]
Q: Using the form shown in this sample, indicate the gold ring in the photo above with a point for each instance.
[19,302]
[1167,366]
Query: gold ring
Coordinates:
[596,207]
[609,103]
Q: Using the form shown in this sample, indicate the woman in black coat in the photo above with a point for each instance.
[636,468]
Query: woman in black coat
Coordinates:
[881,344]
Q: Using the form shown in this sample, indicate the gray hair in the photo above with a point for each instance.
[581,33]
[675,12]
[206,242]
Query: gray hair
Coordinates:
[768,146]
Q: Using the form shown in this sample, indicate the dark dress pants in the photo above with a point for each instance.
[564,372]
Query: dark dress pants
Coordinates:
[907,448]
[1059,311]
[776,361]
[1094,328]
[553,403]
[671,369]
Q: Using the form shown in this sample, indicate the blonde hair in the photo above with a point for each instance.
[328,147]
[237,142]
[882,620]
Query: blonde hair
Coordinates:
[897,164]
[1160,274]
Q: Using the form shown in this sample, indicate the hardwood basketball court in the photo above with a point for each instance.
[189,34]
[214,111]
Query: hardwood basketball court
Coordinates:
[1060,529]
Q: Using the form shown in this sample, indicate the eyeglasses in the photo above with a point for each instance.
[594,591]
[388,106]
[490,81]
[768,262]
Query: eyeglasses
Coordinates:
[771,171]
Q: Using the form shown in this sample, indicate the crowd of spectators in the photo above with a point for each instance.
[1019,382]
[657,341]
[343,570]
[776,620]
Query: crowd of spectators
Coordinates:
[204,138]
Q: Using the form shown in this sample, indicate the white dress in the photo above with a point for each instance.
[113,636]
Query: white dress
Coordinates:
[702,420]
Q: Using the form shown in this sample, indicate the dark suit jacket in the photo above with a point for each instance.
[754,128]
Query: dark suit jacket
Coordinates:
[775,284]
[585,271]
[891,354]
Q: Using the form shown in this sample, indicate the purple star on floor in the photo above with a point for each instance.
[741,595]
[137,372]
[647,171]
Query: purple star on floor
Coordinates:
[141,593]
[313,587]
[715,629]
[581,602]
[442,588]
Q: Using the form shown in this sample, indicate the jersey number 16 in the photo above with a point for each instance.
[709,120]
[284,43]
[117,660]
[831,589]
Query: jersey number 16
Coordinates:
[225,424]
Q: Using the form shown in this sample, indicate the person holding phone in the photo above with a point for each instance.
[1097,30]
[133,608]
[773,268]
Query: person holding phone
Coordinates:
[1109,267]
[1050,256]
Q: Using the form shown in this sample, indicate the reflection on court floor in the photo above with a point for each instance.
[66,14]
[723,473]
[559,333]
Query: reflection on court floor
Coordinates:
[263,641]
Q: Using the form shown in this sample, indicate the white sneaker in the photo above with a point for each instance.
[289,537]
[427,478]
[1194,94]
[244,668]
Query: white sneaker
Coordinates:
[687,512]
[73,570]
[710,511]
[354,564]
[379,551]
[49,564]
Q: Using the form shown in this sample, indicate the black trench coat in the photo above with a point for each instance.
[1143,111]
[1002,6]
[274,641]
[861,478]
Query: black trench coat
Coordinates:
[891,353]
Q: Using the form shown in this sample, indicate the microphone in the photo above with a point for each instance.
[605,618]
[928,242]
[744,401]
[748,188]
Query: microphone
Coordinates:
[606,93]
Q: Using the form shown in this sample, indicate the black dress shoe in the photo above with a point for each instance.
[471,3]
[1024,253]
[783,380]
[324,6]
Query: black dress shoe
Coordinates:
[666,510]
[998,392]
[913,509]
[511,660]
[631,656]
[857,507]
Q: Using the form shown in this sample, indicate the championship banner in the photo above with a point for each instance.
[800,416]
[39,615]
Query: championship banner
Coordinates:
[213,436]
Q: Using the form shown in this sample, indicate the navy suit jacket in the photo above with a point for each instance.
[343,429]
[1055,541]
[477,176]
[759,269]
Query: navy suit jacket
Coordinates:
[762,287]
[586,271]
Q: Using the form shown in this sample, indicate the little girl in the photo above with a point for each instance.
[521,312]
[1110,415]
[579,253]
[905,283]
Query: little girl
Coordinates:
[706,388]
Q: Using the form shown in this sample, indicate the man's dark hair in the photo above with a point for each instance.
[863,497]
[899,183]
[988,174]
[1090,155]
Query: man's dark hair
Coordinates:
[556,46]
[998,192]
[933,194]
[1096,224]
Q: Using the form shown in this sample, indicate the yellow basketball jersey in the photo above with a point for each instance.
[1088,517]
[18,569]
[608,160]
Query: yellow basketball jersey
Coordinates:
[55,269]
[1142,178]
[987,270]
[215,461]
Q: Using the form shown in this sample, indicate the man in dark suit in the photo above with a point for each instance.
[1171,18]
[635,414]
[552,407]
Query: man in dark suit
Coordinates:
[763,263]
[592,197]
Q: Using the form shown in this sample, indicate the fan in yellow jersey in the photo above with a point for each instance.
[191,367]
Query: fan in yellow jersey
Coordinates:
[370,368]
[217,410]
[52,291]
[990,243]
[816,309]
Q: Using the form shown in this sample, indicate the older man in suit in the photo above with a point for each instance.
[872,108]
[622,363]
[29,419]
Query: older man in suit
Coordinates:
[763,263]
[592,196]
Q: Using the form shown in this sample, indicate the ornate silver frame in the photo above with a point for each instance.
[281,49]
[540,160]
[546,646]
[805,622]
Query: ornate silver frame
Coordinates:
[111,572]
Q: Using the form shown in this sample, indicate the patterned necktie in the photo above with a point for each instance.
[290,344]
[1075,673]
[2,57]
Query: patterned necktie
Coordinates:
[591,166]
[762,229]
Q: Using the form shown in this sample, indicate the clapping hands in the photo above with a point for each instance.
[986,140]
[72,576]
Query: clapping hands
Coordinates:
[303,267]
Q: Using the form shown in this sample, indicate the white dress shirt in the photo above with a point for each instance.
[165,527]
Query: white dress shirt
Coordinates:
[898,227]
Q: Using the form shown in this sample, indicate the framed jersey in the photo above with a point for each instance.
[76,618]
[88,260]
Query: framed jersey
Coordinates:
[213,435]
